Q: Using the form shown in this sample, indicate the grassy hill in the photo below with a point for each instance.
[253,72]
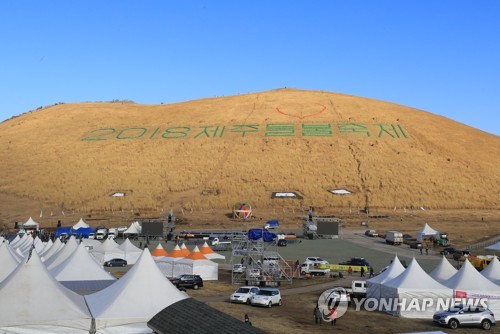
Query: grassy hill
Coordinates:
[209,153]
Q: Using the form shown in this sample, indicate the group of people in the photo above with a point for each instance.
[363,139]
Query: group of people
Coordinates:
[362,271]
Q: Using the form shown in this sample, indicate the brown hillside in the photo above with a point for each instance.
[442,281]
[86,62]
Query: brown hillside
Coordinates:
[75,156]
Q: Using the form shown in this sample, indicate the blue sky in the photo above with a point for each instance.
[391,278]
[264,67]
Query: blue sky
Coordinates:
[439,56]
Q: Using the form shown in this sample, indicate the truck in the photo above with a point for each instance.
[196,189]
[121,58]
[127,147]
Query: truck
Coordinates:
[101,234]
[313,268]
[112,233]
[357,289]
[355,263]
[394,238]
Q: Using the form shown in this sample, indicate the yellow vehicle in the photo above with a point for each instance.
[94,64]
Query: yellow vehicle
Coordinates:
[356,263]
[480,262]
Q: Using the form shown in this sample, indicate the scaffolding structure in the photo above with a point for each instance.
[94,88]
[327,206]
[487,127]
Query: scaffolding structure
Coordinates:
[262,265]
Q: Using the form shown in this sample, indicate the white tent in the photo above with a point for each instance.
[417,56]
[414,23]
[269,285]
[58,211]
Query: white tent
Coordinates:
[80,224]
[492,271]
[196,263]
[469,283]
[495,246]
[128,304]
[412,285]
[30,223]
[426,232]
[134,228]
[209,253]
[131,252]
[443,271]
[32,301]
[8,261]
[106,251]
[56,247]
[46,247]
[65,252]
[373,284]
[80,266]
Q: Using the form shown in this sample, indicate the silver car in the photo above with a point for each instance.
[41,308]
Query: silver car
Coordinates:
[465,316]
[244,294]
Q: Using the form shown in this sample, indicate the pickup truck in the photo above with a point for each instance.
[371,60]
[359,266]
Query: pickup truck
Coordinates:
[314,268]
[356,263]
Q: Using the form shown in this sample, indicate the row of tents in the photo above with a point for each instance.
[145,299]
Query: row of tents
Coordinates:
[444,282]
[37,292]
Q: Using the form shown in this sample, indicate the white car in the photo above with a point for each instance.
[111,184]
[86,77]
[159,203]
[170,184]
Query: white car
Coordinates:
[244,294]
[266,297]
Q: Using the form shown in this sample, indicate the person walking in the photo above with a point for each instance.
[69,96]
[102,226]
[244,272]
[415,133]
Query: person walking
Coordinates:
[426,250]
[247,321]
[349,271]
[333,316]
[371,272]
[362,271]
[317,315]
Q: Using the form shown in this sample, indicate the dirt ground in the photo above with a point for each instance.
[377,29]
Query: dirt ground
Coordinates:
[295,316]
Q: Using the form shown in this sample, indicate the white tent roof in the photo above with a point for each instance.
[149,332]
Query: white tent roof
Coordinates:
[63,254]
[30,223]
[469,279]
[56,247]
[414,277]
[129,303]
[131,252]
[426,231]
[395,269]
[80,266]
[196,263]
[495,246]
[373,285]
[46,247]
[443,271]
[34,302]
[106,251]
[80,224]
[414,284]
[134,228]
[8,261]
[491,272]
[209,253]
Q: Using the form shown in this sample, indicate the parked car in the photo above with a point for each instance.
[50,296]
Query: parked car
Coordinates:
[459,254]
[407,236]
[187,281]
[244,294]
[415,245]
[282,243]
[448,250]
[371,233]
[115,263]
[458,316]
[266,297]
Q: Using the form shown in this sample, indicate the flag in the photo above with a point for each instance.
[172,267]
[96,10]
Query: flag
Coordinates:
[62,211]
[41,213]
[422,208]
[394,210]
[182,211]
[404,209]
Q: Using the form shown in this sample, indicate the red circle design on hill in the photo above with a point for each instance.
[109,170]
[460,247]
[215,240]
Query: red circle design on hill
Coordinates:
[322,109]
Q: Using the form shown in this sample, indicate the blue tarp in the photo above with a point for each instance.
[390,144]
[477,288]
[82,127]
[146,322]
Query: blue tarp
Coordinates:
[63,230]
[83,232]
[259,233]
